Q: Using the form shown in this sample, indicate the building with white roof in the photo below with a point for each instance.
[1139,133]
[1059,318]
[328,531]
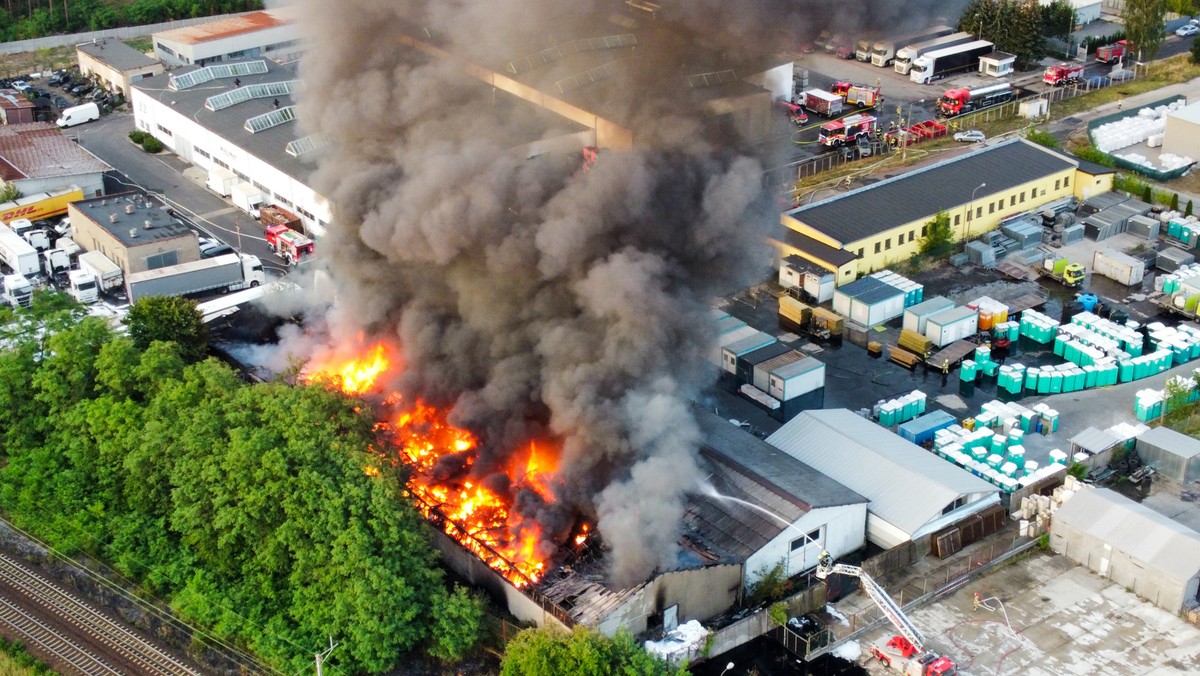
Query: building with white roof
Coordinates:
[1131,544]
[37,157]
[912,492]
[1181,135]
[271,34]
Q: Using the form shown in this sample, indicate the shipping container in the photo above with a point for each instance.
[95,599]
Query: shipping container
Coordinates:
[869,301]
[1119,267]
[921,429]
[915,316]
[796,379]
[950,325]
[731,352]
[747,362]
[729,338]
[762,372]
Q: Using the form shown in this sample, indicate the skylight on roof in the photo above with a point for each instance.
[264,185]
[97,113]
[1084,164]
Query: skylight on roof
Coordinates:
[305,145]
[272,119]
[573,47]
[219,71]
[587,77]
[248,92]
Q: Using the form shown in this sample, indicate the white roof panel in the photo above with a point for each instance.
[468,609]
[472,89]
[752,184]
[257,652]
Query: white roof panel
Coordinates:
[907,485]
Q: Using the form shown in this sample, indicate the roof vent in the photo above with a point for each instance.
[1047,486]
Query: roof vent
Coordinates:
[132,233]
[129,208]
[147,224]
[103,203]
[112,218]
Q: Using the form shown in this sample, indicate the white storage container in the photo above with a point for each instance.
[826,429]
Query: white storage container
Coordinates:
[796,379]
[950,325]
[915,316]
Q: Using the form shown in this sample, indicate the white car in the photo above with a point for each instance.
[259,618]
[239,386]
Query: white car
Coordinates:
[972,136]
[1187,29]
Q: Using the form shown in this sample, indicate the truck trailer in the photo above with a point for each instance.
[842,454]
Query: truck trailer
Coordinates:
[231,272]
[41,205]
[17,253]
[826,104]
[962,100]
[108,274]
[906,55]
[884,51]
[1119,267]
[942,62]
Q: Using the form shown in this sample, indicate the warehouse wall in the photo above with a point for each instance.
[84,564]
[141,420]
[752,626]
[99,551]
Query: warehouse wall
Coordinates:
[1181,136]
[699,594]
[843,530]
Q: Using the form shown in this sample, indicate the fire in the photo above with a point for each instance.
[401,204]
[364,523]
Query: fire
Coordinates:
[441,457]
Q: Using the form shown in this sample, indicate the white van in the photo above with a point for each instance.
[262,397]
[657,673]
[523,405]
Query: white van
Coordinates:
[78,115]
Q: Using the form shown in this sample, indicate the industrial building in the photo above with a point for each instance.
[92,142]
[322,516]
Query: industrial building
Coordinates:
[115,64]
[271,34]
[238,118]
[15,108]
[1144,551]
[133,231]
[913,492]
[1086,11]
[1181,134]
[881,224]
[1172,454]
[37,157]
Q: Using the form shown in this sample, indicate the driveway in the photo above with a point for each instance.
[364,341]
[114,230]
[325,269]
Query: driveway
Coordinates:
[163,175]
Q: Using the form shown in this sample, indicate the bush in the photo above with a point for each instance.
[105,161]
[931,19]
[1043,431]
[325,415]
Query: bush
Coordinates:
[152,145]
[1147,194]
[1043,138]
[1174,201]
[138,136]
[1093,154]
[1188,211]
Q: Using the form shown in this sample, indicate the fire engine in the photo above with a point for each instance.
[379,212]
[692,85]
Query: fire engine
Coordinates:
[904,653]
[863,96]
[1062,74]
[1112,53]
[846,130]
[963,100]
[794,111]
[288,244]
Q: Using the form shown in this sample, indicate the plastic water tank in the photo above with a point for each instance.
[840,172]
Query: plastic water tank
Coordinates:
[1087,301]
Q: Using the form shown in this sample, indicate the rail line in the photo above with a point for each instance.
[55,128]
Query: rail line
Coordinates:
[133,649]
[34,632]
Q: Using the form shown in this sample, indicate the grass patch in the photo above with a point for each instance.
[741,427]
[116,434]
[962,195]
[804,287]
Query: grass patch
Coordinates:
[142,44]
[16,661]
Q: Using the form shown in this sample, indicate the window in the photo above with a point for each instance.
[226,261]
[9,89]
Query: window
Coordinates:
[284,201]
[860,251]
[164,130]
[1012,201]
[164,48]
[957,218]
[305,213]
[221,164]
[1066,181]
[203,153]
[261,187]
[887,243]
[924,230]
[240,175]
[954,505]
[991,207]
[162,260]
[877,247]
[1057,183]
[978,212]
[1043,192]
[1022,195]
[912,235]
[813,538]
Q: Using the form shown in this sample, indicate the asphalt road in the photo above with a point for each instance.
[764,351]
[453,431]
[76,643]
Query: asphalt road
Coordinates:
[162,175]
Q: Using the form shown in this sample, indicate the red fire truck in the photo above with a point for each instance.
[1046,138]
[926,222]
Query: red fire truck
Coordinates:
[1063,73]
[963,100]
[290,245]
[863,96]
[846,130]
[794,111]
[1112,53]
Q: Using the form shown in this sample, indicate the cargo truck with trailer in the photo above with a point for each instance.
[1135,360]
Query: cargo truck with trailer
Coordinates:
[962,100]
[108,274]
[821,102]
[83,287]
[231,272]
[883,53]
[906,55]
[42,205]
[942,62]
[18,254]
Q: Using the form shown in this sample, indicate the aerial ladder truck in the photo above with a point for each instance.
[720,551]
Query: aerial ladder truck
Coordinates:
[904,653]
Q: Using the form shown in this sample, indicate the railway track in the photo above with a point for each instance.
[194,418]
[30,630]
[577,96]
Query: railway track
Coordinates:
[107,635]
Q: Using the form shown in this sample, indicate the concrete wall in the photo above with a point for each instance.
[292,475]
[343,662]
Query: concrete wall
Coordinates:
[843,530]
[700,594]
[1089,185]
[91,183]
[191,141]
[120,33]
[1124,568]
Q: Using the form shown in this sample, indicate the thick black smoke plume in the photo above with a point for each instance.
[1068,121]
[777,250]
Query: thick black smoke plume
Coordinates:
[529,297]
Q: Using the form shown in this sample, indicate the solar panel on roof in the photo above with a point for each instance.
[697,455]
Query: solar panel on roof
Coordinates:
[248,92]
[272,119]
[209,73]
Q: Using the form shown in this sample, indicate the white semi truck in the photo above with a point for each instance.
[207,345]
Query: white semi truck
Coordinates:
[231,272]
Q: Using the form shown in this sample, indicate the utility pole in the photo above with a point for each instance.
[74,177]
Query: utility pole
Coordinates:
[320,657]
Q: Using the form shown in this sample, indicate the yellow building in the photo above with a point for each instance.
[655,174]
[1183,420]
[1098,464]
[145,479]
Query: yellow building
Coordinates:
[115,64]
[882,224]
[133,231]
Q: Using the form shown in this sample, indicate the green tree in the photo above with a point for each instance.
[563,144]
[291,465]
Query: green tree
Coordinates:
[1043,138]
[1194,55]
[456,617]
[1174,206]
[169,318]
[9,193]
[1188,211]
[1145,26]
[939,238]
[1058,19]
[582,652]
[1014,26]
[1147,194]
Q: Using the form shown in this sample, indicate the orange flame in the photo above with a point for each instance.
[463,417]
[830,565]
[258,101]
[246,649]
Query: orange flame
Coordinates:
[476,516]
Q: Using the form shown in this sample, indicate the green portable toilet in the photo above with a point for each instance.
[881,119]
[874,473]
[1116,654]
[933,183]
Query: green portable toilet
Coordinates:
[1056,382]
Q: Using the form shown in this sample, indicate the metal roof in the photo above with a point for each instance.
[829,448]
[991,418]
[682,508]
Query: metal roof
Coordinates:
[765,353]
[930,306]
[1141,533]
[820,250]
[40,150]
[1095,440]
[951,315]
[226,28]
[907,485]
[917,195]
[116,54]
[1176,443]
[798,367]
[750,343]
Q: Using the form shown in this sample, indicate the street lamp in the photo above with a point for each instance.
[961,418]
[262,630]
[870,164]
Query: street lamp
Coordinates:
[970,212]
[904,132]
[727,668]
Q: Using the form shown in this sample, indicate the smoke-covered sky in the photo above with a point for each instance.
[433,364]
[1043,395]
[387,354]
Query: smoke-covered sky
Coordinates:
[532,299]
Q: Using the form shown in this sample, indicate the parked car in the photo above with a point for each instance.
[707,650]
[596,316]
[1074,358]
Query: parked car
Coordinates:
[81,89]
[970,136]
[97,94]
[66,82]
[60,103]
[1187,30]
[219,250]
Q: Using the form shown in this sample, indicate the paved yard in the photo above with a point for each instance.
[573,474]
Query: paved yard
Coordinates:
[1067,620]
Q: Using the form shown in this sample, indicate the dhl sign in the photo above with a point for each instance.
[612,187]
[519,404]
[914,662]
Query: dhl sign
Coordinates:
[41,205]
